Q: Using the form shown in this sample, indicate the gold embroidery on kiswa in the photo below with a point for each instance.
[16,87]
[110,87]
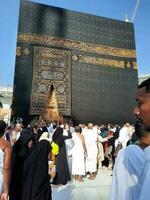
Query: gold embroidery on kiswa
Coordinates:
[101,61]
[77,45]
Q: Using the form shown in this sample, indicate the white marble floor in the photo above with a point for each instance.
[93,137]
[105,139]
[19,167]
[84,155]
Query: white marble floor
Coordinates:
[97,189]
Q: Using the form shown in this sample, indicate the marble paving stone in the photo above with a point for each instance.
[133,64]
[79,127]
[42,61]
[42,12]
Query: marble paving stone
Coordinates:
[97,189]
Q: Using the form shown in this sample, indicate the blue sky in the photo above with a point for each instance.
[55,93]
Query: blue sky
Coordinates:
[116,9]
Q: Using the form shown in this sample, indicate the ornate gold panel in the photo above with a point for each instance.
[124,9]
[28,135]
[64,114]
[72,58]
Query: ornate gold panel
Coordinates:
[51,67]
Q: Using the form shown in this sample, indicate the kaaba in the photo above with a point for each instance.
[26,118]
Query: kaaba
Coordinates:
[73,65]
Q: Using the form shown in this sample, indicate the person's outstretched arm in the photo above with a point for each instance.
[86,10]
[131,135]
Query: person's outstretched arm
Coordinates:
[6,171]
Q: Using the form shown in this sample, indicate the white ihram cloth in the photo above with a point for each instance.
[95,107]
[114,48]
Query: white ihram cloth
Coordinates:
[145,178]
[68,146]
[1,170]
[68,143]
[126,174]
[92,150]
[123,136]
[78,161]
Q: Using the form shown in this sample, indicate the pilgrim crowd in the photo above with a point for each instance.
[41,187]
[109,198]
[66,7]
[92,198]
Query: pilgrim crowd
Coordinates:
[42,154]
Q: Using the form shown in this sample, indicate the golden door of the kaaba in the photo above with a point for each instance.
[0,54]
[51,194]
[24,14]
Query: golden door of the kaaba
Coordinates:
[50,96]
[51,110]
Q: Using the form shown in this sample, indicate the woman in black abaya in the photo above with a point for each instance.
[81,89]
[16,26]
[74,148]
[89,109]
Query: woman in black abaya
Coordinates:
[62,169]
[21,151]
[36,178]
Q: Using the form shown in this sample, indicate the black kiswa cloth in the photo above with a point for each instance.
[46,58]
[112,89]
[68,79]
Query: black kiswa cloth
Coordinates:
[36,178]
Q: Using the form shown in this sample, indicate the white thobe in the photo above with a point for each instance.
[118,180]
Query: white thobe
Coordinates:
[126,174]
[145,178]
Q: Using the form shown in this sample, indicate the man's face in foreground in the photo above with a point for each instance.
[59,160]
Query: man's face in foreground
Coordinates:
[142,110]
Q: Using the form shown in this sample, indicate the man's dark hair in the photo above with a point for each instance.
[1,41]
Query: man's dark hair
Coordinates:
[2,127]
[78,129]
[145,84]
[1,105]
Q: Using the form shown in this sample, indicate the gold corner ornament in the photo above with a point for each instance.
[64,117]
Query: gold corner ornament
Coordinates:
[76,45]
[135,65]
[22,51]
[75,57]
[26,51]
[18,51]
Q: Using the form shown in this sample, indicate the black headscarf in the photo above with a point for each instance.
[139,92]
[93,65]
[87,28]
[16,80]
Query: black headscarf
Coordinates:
[36,179]
[21,146]
[20,154]
[57,136]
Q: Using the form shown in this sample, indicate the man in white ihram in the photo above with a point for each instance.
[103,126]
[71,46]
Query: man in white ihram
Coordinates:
[90,136]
